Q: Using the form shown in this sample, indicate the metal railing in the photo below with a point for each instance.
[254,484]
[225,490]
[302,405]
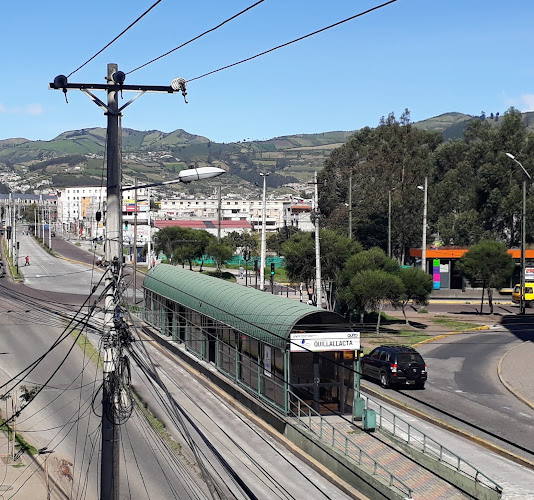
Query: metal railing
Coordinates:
[327,433]
[401,429]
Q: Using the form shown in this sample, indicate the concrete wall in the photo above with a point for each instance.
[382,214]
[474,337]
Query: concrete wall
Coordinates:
[458,479]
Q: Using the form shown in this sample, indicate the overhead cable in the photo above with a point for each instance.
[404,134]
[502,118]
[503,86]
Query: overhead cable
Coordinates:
[196,38]
[115,39]
[293,41]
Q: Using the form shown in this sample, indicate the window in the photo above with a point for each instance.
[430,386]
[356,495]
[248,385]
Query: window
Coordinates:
[384,356]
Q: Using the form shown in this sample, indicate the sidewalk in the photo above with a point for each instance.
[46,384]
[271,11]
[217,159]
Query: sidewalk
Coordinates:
[515,372]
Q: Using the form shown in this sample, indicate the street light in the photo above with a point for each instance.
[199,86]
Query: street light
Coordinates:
[523,235]
[185,176]
[423,248]
[263,241]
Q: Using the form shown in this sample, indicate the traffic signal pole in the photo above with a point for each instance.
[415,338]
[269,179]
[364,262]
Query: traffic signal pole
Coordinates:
[111,341]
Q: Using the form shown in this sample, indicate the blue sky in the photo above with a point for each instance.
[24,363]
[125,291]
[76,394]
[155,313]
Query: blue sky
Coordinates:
[428,56]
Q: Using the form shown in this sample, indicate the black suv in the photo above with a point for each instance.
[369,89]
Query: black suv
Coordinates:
[395,365]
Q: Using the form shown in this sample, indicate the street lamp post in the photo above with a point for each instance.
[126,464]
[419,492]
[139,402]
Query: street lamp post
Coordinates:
[263,237]
[523,235]
[423,247]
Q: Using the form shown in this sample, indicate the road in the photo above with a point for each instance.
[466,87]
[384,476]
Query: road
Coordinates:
[64,416]
[463,388]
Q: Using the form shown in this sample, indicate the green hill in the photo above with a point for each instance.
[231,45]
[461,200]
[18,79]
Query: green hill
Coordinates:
[77,156]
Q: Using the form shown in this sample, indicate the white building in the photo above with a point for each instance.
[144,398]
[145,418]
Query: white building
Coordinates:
[77,208]
[279,213]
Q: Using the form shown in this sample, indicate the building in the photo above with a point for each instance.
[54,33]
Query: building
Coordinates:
[211,226]
[279,213]
[442,264]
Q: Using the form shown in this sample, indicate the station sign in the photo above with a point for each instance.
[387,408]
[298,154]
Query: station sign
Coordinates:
[324,341]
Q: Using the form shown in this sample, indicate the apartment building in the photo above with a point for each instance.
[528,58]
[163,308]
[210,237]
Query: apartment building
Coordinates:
[279,212]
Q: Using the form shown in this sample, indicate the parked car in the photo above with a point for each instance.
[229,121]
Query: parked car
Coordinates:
[395,365]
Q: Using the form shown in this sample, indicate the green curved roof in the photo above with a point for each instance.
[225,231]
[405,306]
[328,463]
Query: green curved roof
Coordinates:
[266,317]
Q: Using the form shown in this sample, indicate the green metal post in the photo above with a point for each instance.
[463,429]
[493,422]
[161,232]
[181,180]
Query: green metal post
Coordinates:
[358,404]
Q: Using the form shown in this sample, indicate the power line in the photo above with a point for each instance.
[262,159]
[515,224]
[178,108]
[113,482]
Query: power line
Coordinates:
[293,41]
[196,38]
[115,39]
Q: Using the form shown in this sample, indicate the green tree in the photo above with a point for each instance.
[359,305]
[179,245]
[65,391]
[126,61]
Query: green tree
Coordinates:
[395,155]
[417,287]
[182,245]
[299,253]
[371,289]
[369,260]
[276,240]
[335,251]
[220,253]
[489,265]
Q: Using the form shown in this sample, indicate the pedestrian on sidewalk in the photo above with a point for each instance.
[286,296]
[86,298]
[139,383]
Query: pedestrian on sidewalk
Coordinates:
[27,263]
[241,272]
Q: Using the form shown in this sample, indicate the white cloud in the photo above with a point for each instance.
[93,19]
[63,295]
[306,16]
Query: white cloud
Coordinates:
[29,109]
[527,101]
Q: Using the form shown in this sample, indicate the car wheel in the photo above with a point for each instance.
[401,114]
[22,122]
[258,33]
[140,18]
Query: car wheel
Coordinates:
[384,379]
[420,385]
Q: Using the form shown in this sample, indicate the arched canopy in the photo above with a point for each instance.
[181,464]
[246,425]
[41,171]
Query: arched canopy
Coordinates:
[261,315]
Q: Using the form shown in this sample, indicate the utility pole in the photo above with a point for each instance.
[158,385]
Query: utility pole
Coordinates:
[111,341]
[263,236]
[317,247]
[423,248]
[149,247]
[219,207]
[49,227]
[135,248]
[350,205]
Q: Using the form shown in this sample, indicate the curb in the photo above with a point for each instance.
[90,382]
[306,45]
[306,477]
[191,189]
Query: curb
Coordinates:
[445,335]
[514,392]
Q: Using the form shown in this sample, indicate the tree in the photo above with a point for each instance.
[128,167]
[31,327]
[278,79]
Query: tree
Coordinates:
[371,289]
[417,288]
[181,245]
[299,253]
[220,253]
[394,155]
[369,260]
[487,264]
[276,240]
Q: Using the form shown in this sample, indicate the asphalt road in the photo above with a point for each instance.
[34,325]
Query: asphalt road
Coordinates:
[464,390]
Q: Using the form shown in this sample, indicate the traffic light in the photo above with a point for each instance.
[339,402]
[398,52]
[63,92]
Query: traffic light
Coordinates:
[18,245]
[272,268]
[126,225]
[256,265]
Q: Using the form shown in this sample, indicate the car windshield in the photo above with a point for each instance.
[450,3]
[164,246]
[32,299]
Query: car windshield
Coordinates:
[410,357]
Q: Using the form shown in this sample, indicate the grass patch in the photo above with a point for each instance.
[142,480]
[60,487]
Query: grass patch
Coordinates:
[22,444]
[12,268]
[90,350]
[408,337]
[156,424]
[454,325]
